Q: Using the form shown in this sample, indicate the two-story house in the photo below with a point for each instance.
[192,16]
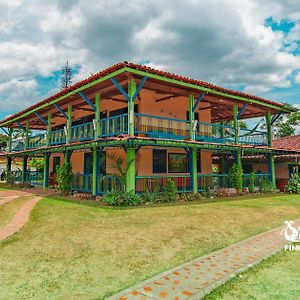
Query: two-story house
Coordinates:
[163,124]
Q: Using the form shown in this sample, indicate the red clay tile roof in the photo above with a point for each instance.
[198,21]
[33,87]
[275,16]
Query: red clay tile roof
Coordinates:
[288,143]
[124,64]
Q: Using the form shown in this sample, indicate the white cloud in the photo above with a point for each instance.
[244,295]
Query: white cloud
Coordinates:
[222,41]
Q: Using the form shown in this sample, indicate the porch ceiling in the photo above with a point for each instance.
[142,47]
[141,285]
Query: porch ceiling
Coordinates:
[219,99]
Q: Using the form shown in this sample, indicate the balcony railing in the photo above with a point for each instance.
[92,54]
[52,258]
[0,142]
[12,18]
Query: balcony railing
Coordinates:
[150,126]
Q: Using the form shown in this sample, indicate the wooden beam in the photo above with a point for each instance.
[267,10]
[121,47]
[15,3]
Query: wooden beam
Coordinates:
[172,96]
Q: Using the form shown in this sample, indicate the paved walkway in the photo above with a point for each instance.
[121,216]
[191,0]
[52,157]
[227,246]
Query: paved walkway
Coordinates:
[200,276]
[22,215]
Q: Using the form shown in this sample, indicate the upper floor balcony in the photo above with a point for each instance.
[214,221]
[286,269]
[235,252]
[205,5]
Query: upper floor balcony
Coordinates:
[146,126]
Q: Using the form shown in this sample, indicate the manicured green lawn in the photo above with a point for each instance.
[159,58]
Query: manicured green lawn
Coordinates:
[276,278]
[72,251]
[8,209]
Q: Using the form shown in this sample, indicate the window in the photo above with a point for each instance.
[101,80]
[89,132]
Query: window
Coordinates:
[159,161]
[56,163]
[177,163]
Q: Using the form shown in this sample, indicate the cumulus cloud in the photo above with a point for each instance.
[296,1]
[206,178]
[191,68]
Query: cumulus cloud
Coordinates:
[222,41]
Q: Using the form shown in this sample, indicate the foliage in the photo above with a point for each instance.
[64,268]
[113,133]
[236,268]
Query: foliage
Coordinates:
[119,168]
[3,141]
[208,193]
[251,182]
[293,185]
[266,186]
[66,76]
[116,198]
[170,192]
[188,197]
[38,163]
[64,177]
[152,196]
[285,125]
[236,176]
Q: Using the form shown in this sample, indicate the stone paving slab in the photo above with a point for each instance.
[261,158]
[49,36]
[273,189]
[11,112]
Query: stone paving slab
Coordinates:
[198,277]
[20,218]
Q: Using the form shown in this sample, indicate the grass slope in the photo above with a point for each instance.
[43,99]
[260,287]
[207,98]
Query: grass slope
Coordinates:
[276,278]
[72,251]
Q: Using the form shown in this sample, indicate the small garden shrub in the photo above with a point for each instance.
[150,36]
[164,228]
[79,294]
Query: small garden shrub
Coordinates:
[236,176]
[64,178]
[293,185]
[152,196]
[117,198]
[170,192]
[189,197]
[266,186]
[208,193]
[251,182]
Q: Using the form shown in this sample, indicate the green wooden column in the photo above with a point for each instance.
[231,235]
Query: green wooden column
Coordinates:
[194,173]
[46,170]
[8,167]
[192,117]
[26,136]
[131,92]
[24,168]
[130,175]
[270,156]
[49,129]
[97,117]
[238,157]
[236,124]
[95,171]
[69,124]
[222,169]
[10,134]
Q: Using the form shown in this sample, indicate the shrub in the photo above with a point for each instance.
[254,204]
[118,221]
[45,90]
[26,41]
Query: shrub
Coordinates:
[236,176]
[116,198]
[293,185]
[64,177]
[170,192]
[112,198]
[266,186]
[208,193]
[251,182]
[188,197]
[152,196]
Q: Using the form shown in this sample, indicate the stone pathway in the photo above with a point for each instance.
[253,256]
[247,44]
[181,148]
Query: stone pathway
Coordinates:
[22,215]
[198,277]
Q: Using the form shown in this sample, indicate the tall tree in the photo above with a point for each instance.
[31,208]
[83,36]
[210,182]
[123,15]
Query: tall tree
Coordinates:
[66,76]
[3,141]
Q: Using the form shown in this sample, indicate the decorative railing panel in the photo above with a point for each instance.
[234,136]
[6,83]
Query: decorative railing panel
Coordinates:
[115,125]
[57,137]
[149,183]
[82,132]
[37,141]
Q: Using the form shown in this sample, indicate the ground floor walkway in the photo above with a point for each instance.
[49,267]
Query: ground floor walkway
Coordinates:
[198,277]
[21,216]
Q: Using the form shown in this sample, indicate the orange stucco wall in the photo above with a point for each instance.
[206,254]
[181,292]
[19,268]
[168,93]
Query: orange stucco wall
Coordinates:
[171,108]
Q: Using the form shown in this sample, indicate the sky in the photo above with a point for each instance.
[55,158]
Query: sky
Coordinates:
[252,46]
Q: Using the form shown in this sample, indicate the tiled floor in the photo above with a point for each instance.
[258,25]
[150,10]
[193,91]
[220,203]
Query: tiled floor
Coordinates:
[198,277]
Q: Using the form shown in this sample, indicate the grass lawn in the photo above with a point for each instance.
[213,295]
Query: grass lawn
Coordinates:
[276,278]
[73,251]
[8,209]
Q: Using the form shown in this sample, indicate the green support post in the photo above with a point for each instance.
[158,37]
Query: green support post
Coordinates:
[8,168]
[271,163]
[130,175]
[69,124]
[235,124]
[26,136]
[49,129]
[192,117]
[269,129]
[131,92]
[24,168]
[95,171]
[238,157]
[222,169]
[46,170]
[10,134]
[97,117]
[194,172]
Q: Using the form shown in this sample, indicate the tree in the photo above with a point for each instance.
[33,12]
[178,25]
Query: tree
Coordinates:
[286,125]
[66,77]
[3,141]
